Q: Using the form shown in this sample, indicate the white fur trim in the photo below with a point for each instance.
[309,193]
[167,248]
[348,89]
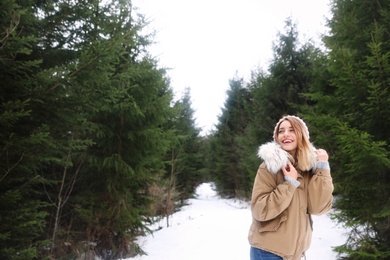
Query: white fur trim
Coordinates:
[273,156]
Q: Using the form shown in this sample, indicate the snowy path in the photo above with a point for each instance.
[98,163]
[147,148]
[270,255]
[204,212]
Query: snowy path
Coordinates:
[211,228]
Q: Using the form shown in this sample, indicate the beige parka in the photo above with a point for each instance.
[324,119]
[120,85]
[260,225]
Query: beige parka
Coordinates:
[281,212]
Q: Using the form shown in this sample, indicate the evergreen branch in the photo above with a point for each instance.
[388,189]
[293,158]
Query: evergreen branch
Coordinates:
[91,61]
[9,169]
[14,22]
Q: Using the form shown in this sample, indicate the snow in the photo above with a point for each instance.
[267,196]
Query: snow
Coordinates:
[210,228]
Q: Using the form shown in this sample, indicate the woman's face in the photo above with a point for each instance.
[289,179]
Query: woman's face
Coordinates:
[287,137]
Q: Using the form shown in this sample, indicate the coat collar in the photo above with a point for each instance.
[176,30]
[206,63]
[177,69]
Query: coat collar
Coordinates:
[274,156]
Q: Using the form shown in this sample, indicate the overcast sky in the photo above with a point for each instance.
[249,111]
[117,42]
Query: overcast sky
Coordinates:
[205,43]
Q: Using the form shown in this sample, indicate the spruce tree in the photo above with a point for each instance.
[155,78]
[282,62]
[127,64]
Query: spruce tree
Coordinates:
[351,116]
[127,104]
[232,179]
[83,109]
[26,145]
[189,160]
[278,91]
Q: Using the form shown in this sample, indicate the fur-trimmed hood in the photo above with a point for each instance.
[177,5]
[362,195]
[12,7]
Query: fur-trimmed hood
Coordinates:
[275,157]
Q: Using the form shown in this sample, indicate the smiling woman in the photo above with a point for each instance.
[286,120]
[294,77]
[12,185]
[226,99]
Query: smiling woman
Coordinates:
[206,43]
[292,183]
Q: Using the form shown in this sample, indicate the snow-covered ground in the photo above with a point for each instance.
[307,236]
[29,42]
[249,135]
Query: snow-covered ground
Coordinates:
[211,228]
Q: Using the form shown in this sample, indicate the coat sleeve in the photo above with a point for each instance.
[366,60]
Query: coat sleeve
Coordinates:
[269,199]
[320,191]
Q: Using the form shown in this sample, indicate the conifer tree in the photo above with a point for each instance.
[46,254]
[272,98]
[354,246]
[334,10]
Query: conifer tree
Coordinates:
[26,145]
[127,102]
[83,109]
[351,116]
[189,160]
[226,144]
[184,161]
[278,91]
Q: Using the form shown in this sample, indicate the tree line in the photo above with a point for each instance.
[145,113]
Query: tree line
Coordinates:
[94,145]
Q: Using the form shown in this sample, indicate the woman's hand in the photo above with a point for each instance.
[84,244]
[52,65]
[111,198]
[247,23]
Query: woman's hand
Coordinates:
[290,171]
[322,155]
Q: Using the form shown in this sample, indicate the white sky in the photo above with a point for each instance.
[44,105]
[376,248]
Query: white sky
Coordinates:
[205,43]
[210,228]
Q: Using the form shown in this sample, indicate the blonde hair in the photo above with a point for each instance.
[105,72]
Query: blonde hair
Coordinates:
[304,158]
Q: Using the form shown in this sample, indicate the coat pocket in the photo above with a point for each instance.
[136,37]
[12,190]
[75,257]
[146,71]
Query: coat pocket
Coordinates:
[273,224]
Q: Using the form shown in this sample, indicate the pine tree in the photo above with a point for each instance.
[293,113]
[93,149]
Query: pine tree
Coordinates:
[189,161]
[127,106]
[183,162]
[226,143]
[83,109]
[25,142]
[280,91]
[351,117]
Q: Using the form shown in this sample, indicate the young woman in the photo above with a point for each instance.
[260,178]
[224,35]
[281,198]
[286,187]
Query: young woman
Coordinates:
[292,183]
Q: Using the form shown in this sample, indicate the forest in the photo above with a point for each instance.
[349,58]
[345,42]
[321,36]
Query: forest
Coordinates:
[94,146]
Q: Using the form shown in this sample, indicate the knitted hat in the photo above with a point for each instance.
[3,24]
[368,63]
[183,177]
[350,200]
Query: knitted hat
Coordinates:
[304,127]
